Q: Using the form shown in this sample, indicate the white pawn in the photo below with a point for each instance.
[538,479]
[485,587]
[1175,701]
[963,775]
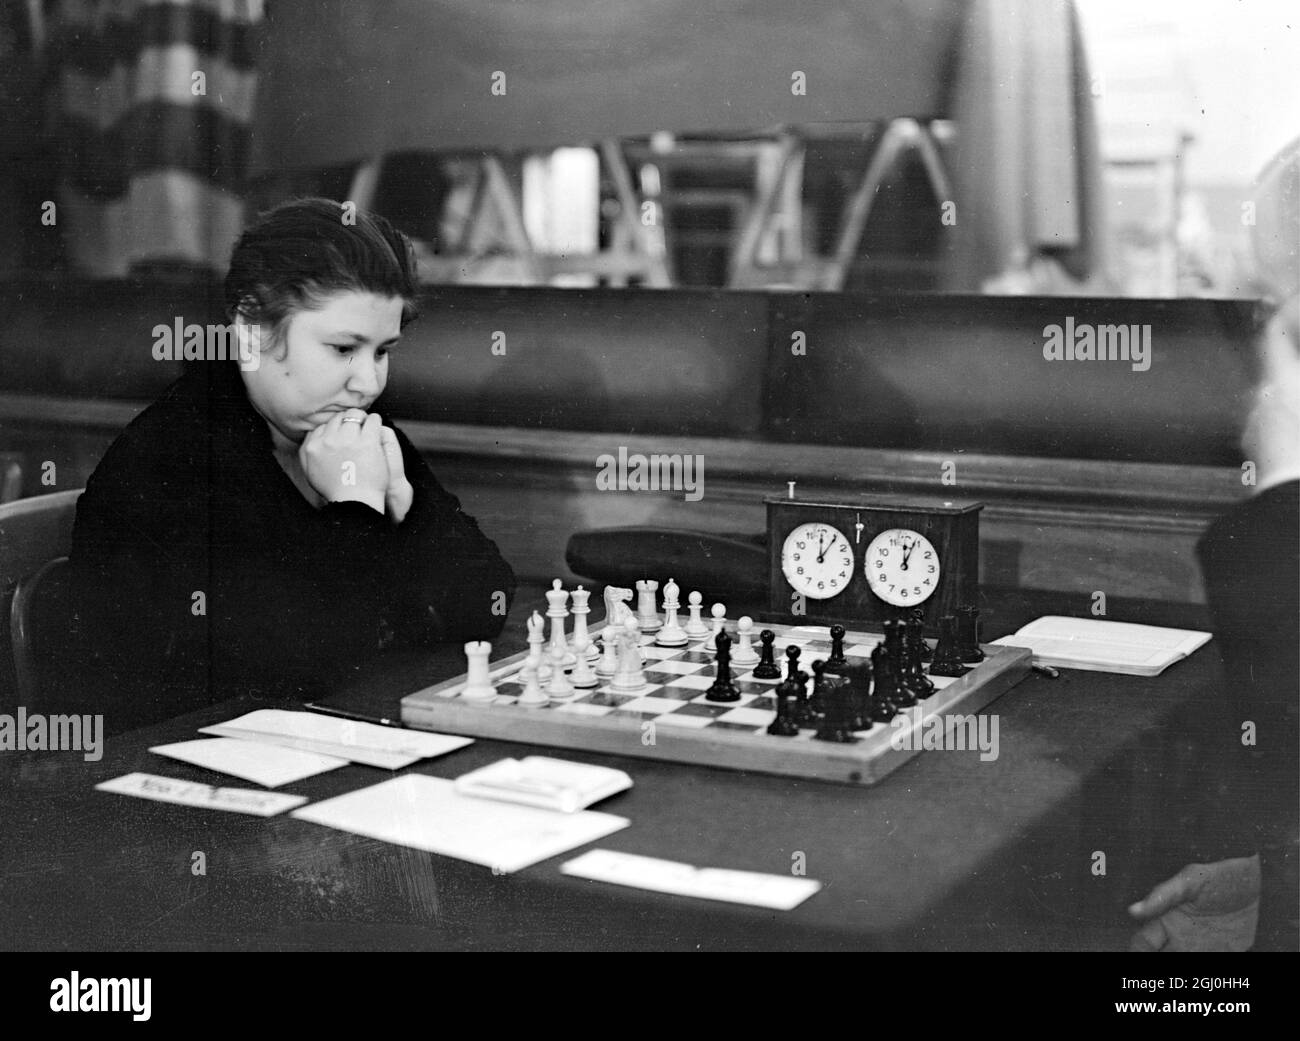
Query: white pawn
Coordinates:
[630,675]
[608,664]
[558,650]
[582,677]
[533,695]
[672,634]
[719,619]
[695,627]
[478,681]
[581,608]
[743,653]
[558,688]
[647,615]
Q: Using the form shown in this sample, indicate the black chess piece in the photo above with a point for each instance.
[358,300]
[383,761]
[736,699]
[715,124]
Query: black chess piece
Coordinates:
[784,725]
[947,659]
[900,694]
[968,634]
[723,689]
[914,677]
[837,661]
[836,723]
[926,653]
[859,708]
[767,669]
[818,700]
[882,709]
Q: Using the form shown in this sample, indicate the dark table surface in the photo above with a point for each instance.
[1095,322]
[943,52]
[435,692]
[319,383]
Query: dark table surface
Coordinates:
[949,853]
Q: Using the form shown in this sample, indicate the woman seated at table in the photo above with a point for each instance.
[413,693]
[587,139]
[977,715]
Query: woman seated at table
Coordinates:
[259,529]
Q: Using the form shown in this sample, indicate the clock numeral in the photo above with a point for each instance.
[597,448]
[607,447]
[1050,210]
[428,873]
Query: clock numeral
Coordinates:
[930,569]
[928,555]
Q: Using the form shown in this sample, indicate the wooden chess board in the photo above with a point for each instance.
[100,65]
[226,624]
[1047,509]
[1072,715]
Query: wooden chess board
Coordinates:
[672,720]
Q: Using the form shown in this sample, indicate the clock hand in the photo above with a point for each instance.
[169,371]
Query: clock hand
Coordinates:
[821,559]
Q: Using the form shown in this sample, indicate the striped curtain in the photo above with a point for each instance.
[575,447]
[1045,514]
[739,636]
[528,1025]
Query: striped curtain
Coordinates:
[154,108]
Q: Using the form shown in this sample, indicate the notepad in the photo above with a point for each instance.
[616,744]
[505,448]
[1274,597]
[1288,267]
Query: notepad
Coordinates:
[390,748]
[538,780]
[1096,645]
[188,793]
[428,813]
[778,892]
[266,764]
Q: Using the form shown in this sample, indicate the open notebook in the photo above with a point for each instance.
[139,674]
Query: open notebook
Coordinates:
[1100,646]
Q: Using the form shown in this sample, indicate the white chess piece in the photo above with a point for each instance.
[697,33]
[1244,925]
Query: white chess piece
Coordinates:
[533,695]
[647,615]
[743,653]
[630,676]
[608,664]
[616,601]
[582,677]
[478,681]
[695,627]
[558,649]
[672,634]
[581,608]
[719,620]
[558,688]
[536,625]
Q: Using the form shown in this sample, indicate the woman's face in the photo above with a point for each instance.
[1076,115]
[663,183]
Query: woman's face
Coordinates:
[336,359]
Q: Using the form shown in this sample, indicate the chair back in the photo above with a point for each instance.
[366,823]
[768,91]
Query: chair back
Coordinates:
[33,532]
[38,628]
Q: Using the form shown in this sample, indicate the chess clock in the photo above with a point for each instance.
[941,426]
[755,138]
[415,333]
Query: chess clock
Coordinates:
[859,561]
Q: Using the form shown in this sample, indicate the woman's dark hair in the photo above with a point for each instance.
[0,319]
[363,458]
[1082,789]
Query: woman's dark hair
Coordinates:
[297,254]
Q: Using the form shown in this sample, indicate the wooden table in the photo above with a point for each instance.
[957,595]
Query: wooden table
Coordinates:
[948,853]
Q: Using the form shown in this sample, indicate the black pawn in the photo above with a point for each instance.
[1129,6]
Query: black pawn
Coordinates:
[723,689]
[784,724]
[926,653]
[968,635]
[914,677]
[947,659]
[836,724]
[900,693]
[767,669]
[837,661]
[818,700]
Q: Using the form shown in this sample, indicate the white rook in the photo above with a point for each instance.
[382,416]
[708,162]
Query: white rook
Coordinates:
[478,681]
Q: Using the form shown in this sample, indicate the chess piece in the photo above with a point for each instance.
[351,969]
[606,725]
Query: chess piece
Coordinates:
[858,708]
[671,634]
[798,681]
[947,659]
[926,653]
[968,635]
[629,676]
[914,677]
[647,615]
[608,664]
[582,608]
[882,709]
[478,681]
[558,649]
[536,626]
[719,619]
[582,677]
[837,660]
[899,693]
[817,702]
[533,695]
[784,724]
[723,689]
[695,627]
[835,723]
[744,655]
[767,669]
[616,600]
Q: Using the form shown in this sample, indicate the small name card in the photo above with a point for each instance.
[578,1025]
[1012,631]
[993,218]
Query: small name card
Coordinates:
[188,793]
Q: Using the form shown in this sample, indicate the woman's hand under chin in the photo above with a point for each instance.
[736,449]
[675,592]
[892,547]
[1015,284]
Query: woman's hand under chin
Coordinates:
[399,494]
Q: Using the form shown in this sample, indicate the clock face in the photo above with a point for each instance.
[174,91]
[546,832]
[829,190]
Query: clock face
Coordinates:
[817,560]
[902,567]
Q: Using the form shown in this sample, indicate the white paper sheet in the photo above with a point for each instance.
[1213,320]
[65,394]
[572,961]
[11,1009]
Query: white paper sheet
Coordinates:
[266,764]
[389,748]
[428,813]
[188,793]
[1097,645]
[778,892]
